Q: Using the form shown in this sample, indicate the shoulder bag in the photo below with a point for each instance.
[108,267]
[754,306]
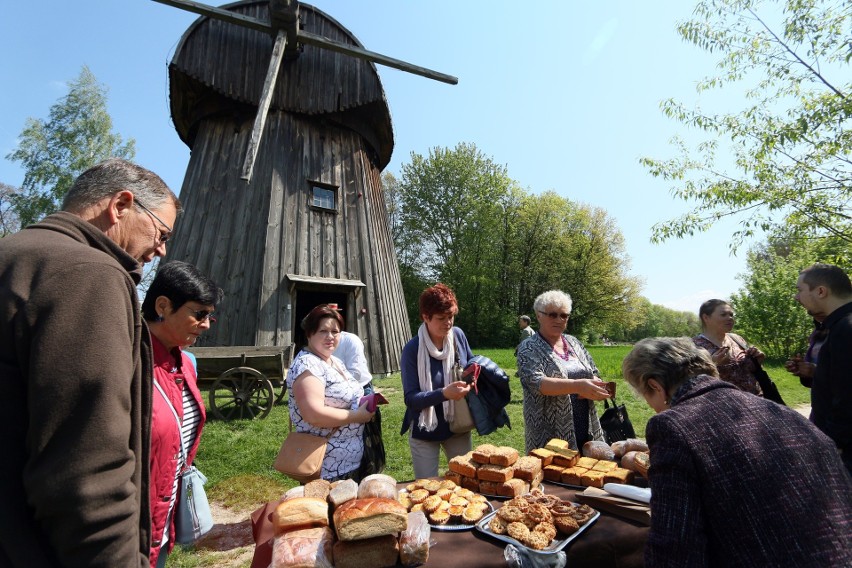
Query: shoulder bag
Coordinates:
[767,385]
[462,418]
[301,455]
[615,423]
[192,510]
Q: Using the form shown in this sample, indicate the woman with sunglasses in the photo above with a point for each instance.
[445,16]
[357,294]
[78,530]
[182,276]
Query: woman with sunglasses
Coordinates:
[178,307]
[559,379]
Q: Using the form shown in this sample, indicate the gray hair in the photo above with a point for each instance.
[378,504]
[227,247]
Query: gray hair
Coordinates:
[555,298]
[668,360]
[525,318]
[114,175]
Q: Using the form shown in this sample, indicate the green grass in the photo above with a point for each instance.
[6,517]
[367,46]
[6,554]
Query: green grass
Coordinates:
[237,456]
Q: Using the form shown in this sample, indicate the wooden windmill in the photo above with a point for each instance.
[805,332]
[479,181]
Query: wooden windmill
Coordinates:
[289,129]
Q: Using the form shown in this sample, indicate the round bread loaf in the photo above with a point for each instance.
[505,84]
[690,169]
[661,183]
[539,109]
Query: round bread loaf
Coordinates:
[300,512]
[366,518]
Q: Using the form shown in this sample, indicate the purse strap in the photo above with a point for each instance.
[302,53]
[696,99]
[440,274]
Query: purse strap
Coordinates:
[744,347]
[177,419]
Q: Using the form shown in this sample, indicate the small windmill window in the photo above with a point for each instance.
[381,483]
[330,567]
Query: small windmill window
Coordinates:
[324,197]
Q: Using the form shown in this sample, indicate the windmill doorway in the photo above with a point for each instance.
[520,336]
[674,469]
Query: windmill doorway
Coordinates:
[306,293]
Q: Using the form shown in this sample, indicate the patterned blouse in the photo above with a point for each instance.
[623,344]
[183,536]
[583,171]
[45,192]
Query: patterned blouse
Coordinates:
[345,445]
[740,372]
[547,417]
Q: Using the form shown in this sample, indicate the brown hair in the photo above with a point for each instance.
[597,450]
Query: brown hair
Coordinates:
[438,299]
[708,307]
[828,275]
[312,321]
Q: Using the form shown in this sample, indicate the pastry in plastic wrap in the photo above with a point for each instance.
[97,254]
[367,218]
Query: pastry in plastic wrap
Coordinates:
[414,540]
[305,548]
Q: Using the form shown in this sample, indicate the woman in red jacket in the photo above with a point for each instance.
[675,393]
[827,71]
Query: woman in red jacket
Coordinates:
[178,308]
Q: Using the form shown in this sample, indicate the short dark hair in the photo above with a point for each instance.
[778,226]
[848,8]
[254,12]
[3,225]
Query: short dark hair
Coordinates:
[180,282]
[708,307]
[312,321]
[832,277]
[437,299]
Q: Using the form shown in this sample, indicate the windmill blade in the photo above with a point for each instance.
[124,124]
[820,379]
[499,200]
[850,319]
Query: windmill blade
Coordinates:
[219,14]
[320,41]
[263,107]
[309,39]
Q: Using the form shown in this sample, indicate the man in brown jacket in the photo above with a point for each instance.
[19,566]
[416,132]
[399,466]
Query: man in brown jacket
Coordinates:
[75,373]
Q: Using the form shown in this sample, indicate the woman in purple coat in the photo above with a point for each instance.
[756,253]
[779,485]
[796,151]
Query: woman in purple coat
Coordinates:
[736,480]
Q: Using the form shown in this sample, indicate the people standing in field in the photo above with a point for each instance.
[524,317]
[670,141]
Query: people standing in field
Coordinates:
[734,478]
[736,360]
[75,365]
[429,384]
[560,379]
[526,331]
[178,308]
[825,292]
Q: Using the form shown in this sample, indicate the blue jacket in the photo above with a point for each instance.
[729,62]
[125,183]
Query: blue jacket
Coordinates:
[488,406]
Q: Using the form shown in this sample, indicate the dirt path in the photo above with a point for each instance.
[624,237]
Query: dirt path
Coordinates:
[229,543]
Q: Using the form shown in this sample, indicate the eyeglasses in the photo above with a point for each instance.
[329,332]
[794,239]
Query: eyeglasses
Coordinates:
[201,315]
[163,236]
[554,315]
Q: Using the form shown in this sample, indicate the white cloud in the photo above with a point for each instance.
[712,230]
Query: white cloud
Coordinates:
[692,302]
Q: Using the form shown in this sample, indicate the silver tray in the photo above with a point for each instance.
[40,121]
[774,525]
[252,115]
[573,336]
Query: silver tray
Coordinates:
[457,527]
[555,546]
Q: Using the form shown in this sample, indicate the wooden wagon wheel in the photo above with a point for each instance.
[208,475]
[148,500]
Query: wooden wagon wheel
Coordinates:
[241,392]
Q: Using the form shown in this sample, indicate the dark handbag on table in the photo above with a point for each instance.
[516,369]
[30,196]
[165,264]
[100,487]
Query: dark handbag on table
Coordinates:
[193,517]
[615,423]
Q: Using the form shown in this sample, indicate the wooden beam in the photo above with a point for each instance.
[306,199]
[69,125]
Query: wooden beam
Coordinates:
[219,14]
[265,100]
[324,42]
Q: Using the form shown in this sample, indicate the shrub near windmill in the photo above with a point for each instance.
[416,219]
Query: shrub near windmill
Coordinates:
[289,130]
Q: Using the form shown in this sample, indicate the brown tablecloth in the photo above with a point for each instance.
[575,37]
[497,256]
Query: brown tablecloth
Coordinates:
[610,542]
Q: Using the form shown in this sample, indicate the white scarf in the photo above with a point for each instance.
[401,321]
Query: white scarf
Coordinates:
[425,349]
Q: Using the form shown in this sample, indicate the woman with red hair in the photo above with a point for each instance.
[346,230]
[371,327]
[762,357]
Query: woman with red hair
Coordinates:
[431,391]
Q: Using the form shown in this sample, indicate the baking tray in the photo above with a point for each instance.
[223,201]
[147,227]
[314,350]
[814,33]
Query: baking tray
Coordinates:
[452,528]
[555,546]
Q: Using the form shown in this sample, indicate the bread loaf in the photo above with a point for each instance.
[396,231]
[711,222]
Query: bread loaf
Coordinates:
[491,472]
[453,476]
[569,459]
[483,453]
[377,485]
[367,518]
[636,461]
[558,446]
[536,481]
[545,455]
[526,467]
[553,472]
[573,475]
[292,493]
[464,465]
[470,483]
[300,512]
[414,540]
[629,445]
[305,548]
[618,475]
[378,552]
[342,492]
[489,487]
[504,455]
[318,488]
[598,450]
[513,488]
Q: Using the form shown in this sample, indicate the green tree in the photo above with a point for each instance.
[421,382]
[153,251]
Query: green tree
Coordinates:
[8,219]
[53,152]
[791,142]
[767,313]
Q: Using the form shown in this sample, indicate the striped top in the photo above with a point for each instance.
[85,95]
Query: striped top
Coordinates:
[188,431]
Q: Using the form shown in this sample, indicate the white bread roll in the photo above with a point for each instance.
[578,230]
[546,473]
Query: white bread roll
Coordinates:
[377,485]
[367,518]
[344,491]
[301,512]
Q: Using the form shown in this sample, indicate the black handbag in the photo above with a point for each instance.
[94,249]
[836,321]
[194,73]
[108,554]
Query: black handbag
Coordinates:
[767,385]
[373,460]
[615,423]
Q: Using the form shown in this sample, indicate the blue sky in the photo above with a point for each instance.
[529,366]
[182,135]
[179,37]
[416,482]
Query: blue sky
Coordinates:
[565,94]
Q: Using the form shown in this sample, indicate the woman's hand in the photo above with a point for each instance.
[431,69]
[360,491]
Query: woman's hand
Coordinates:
[722,356]
[758,355]
[593,389]
[361,415]
[456,390]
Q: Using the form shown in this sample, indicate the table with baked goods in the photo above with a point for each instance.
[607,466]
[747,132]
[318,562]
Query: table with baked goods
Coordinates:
[610,541]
